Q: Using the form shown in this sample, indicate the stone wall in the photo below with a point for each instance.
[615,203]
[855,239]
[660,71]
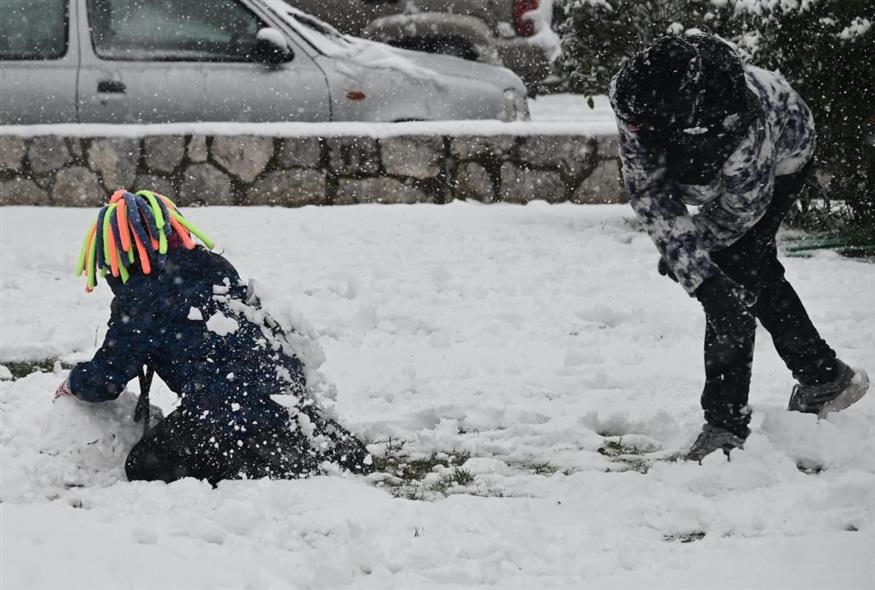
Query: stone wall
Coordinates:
[297,171]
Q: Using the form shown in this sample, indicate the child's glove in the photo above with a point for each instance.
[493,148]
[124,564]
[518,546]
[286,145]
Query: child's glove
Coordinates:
[63,389]
[665,270]
[727,306]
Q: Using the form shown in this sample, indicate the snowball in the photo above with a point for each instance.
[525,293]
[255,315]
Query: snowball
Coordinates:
[221,324]
[695,130]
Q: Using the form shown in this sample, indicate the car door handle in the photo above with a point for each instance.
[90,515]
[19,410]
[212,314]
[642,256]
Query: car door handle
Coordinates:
[111,87]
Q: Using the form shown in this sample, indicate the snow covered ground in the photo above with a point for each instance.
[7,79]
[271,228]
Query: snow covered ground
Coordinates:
[535,345]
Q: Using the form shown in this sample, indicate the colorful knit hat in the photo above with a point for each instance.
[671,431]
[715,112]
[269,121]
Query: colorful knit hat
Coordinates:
[131,229]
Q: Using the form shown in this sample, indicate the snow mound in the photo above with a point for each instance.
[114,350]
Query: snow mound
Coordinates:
[56,445]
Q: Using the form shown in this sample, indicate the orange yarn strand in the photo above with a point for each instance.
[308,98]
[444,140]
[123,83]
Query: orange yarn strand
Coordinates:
[113,254]
[183,233]
[124,232]
[144,256]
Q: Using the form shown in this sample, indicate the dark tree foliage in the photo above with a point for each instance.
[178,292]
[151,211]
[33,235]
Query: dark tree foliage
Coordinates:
[825,49]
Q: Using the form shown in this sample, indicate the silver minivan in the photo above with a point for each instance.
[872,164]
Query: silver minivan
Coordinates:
[161,61]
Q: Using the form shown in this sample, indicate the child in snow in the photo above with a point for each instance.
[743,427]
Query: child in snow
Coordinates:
[182,310]
[699,128]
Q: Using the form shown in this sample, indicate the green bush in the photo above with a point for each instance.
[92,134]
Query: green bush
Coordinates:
[825,49]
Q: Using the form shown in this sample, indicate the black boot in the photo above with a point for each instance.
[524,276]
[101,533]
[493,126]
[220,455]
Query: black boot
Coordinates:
[713,438]
[849,386]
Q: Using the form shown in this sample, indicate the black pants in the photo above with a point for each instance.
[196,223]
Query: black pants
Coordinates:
[182,445]
[753,262]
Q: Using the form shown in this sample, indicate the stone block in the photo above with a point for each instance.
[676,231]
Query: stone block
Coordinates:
[12,152]
[609,147]
[75,146]
[473,181]
[204,184]
[44,180]
[604,185]
[77,186]
[163,153]
[47,153]
[20,191]
[569,154]
[300,152]
[289,188]
[197,149]
[354,155]
[116,160]
[478,148]
[155,183]
[378,190]
[521,185]
[243,156]
[416,157]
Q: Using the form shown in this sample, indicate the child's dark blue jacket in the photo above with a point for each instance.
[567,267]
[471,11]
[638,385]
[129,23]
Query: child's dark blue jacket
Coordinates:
[205,336]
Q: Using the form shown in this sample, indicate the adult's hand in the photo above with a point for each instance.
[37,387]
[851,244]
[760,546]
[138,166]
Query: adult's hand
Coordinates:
[727,306]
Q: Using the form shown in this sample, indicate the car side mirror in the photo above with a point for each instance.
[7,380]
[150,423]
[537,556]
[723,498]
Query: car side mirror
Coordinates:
[272,48]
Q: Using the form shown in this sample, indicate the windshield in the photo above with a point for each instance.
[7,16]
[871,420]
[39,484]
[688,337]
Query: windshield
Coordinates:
[330,42]
[321,35]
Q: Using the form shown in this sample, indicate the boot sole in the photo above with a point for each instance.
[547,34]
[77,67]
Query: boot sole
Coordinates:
[851,395]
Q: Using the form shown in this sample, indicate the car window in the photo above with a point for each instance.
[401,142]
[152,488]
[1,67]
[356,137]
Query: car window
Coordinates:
[173,30]
[320,35]
[33,29]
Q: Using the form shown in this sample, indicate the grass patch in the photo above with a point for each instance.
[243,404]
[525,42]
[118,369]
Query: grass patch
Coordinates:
[21,369]
[689,537]
[405,475]
[624,457]
[396,461]
[537,467]
[810,467]
[616,448]
[457,477]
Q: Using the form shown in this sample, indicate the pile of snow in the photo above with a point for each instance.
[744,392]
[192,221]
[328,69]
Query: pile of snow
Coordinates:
[537,344]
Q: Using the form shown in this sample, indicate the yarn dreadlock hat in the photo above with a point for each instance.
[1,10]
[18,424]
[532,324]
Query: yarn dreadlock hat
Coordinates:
[133,230]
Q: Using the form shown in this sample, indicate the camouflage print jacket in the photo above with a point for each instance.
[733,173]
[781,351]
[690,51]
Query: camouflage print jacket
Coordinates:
[780,141]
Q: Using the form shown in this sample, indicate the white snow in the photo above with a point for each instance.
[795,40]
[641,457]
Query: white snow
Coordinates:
[551,114]
[545,36]
[858,27]
[574,110]
[524,336]
[695,130]
[568,125]
[273,37]
[221,324]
